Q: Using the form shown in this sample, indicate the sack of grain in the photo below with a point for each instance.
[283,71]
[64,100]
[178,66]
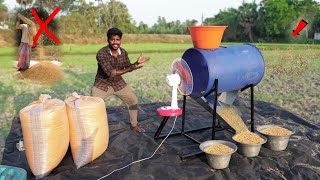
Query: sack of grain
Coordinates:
[89,132]
[44,126]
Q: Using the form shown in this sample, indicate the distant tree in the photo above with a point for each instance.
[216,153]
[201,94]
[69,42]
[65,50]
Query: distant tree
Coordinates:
[177,27]
[143,28]
[308,10]
[77,23]
[65,5]
[184,26]
[247,17]
[160,26]
[172,27]
[116,14]
[228,17]
[3,10]
[87,18]
[315,26]
[278,16]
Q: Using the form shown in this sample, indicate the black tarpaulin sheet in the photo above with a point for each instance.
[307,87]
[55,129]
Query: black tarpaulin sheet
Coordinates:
[301,159]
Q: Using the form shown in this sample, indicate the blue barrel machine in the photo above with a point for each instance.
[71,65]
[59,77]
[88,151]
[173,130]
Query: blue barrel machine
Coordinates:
[207,74]
[235,66]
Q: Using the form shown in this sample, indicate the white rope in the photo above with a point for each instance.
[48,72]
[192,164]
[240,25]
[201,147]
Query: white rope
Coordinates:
[174,122]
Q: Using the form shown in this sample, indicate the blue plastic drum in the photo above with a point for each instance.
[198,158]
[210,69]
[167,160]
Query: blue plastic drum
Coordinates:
[235,67]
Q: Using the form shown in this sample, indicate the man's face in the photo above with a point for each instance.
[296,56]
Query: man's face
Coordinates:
[114,42]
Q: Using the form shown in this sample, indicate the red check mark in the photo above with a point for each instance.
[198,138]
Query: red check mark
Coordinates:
[43,26]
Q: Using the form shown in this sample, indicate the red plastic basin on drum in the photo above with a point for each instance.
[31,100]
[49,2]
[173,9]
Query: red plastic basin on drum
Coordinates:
[206,37]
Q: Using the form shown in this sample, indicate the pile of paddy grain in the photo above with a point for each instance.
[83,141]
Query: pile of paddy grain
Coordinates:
[247,137]
[218,149]
[44,72]
[276,131]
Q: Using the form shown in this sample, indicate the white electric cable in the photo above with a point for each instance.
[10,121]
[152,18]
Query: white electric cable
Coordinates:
[174,122]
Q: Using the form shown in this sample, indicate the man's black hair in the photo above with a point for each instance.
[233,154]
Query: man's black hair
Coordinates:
[114,31]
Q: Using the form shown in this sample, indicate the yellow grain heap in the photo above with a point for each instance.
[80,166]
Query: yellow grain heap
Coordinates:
[218,149]
[229,114]
[43,73]
[248,137]
[276,131]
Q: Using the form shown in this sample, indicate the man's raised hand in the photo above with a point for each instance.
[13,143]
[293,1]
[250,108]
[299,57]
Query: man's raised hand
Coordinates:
[142,59]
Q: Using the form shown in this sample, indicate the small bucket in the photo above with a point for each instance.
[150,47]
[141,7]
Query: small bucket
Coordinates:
[276,143]
[250,150]
[218,161]
[206,37]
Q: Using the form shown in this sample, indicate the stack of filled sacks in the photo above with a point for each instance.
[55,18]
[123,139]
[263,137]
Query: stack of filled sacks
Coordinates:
[89,132]
[46,122]
[44,127]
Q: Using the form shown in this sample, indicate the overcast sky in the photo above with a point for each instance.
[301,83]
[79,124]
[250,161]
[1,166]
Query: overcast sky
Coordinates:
[149,10]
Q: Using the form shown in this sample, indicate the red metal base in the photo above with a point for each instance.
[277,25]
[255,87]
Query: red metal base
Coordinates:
[168,111]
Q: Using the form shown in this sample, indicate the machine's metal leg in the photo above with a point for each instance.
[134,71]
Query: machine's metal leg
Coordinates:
[183,113]
[184,157]
[186,131]
[164,121]
[219,124]
[191,138]
[252,108]
[214,109]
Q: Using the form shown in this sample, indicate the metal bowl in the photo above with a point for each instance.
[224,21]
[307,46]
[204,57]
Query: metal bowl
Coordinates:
[276,143]
[218,161]
[250,150]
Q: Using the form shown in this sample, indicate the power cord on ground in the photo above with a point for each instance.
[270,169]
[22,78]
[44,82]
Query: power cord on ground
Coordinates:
[174,122]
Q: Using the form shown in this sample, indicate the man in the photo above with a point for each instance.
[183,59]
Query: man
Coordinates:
[25,48]
[113,61]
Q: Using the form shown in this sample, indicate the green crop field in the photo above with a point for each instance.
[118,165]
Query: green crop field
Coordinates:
[291,79]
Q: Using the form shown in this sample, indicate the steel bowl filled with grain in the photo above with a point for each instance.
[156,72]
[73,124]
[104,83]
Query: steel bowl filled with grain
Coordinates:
[278,136]
[218,152]
[249,143]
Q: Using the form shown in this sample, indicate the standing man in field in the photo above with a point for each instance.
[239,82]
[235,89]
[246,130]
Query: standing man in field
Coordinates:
[113,62]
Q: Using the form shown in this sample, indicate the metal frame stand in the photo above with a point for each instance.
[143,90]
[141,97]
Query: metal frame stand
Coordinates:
[251,86]
[215,126]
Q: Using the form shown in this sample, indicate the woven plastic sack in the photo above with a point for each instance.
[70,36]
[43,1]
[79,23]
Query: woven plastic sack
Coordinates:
[44,127]
[89,132]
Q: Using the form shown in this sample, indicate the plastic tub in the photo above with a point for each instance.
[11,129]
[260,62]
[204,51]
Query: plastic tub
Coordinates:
[206,37]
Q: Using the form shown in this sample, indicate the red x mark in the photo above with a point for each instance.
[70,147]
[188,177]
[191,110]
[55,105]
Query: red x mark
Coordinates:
[43,26]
